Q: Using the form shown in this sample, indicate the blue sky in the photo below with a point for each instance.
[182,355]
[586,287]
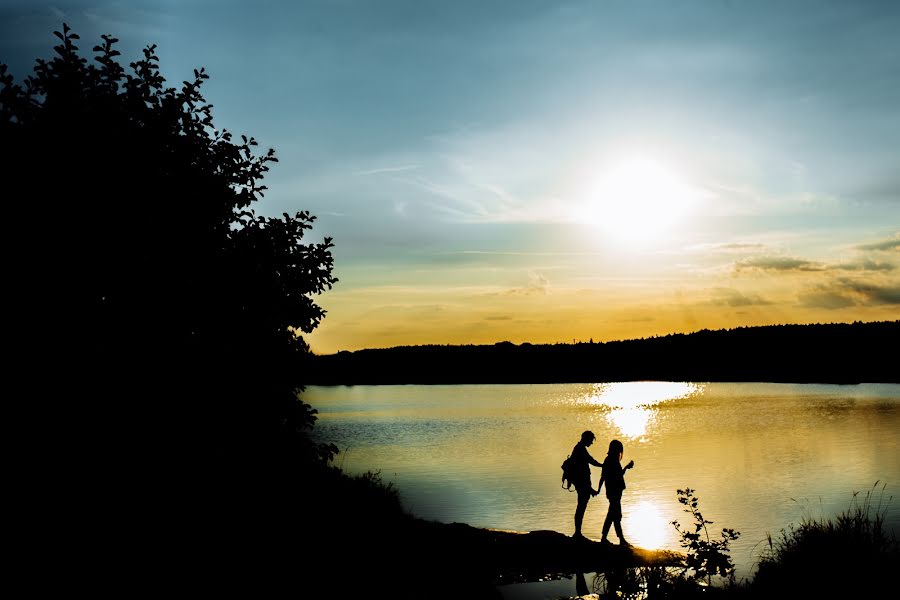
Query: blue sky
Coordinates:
[549,171]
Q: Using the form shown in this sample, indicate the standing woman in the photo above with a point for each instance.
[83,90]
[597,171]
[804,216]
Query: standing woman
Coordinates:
[614,476]
[581,478]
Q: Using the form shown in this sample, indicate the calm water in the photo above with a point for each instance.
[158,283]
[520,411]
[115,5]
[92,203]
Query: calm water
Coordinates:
[759,456]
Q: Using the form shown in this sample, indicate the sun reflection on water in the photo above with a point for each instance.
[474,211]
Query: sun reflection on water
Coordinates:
[633,404]
[644,525]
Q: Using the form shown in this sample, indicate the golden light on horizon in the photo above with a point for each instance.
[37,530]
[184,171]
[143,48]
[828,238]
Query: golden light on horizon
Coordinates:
[637,199]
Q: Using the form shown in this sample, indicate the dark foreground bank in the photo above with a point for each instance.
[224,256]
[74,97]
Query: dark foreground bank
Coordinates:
[349,536]
[423,559]
[393,554]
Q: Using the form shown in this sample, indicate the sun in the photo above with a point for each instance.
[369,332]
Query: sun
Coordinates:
[637,199]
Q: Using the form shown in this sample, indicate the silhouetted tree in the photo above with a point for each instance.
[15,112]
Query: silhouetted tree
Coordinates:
[148,298]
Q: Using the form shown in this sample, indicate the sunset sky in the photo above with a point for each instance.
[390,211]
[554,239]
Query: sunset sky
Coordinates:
[539,171]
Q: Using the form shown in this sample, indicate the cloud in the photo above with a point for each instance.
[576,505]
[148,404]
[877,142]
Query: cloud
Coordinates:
[738,247]
[826,298]
[498,318]
[866,265]
[778,263]
[537,285]
[383,170]
[639,319]
[732,297]
[790,264]
[844,292]
[455,200]
[870,293]
[891,244]
[730,248]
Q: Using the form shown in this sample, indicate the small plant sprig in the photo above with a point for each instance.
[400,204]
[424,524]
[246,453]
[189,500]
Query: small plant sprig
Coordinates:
[705,557]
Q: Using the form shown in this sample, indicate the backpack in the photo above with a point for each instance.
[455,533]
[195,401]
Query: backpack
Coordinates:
[567,473]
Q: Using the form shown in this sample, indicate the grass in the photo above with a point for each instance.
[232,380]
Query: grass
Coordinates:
[852,554]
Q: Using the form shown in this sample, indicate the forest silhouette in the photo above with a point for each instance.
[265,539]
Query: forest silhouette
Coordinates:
[819,353]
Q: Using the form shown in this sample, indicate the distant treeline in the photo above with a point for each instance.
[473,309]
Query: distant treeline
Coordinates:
[820,353]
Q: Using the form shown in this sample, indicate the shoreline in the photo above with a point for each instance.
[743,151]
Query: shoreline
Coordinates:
[505,557]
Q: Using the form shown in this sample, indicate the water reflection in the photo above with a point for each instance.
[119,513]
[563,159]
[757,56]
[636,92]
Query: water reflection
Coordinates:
[489,455]
[638,583]
[646,526]
[633,404]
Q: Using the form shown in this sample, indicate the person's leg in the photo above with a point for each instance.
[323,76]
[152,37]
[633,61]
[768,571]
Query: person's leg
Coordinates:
[607,522]
[618,526]
[615,509]
[583,497]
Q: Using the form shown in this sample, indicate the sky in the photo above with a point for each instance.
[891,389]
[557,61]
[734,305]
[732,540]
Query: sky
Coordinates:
[545,172]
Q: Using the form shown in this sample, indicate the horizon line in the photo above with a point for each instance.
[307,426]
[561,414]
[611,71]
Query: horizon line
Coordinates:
[591,340]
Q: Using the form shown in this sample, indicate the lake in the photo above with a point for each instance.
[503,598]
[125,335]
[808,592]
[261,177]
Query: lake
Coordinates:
[760,456]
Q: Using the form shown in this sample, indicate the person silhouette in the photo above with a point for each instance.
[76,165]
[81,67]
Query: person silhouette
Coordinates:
[614,477]
[581,478]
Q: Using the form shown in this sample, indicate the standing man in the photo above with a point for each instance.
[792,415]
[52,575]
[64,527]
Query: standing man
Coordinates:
[581,478]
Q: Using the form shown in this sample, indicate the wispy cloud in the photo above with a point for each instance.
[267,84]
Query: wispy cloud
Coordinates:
[537,285]
[778,263]
[456,200]
[827,298]
[731,248]
[865,265]
[738,247]
[731,297]
[872,257]
[891,244]
[383,170]
[844,292]
[517,253]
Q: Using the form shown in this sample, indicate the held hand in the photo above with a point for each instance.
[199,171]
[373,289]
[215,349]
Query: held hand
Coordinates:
[630,465]
[594,493]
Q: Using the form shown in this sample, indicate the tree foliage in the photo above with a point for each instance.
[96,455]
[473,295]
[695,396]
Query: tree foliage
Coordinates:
[162,315]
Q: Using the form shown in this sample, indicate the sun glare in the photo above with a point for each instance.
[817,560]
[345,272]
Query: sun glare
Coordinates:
[632,405]
[645,526]
[637,200]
